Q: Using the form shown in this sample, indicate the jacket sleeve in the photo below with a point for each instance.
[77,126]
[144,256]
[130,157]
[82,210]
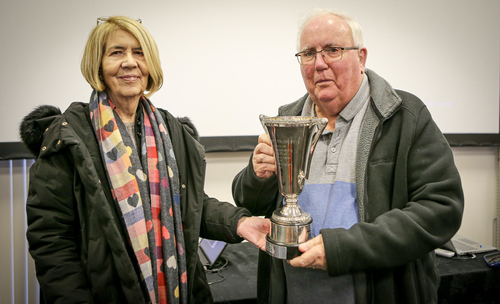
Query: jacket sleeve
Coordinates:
[258,195]
[52,231]
[414,202]
[220,220]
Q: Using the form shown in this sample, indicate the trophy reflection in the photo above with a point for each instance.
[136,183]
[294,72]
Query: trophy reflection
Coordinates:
[293,139]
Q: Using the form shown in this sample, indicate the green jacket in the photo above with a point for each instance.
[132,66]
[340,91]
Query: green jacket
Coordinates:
[410,201]
[76,234]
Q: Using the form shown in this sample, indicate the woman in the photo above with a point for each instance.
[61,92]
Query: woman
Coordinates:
[116,203]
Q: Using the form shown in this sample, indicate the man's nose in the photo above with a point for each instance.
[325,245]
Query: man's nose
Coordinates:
[320,62]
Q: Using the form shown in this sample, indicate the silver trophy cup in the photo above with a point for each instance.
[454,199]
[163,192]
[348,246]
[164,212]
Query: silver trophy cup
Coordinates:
[293,139]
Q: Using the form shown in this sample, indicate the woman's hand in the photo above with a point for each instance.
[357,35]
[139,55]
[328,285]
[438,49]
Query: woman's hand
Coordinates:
[254,229]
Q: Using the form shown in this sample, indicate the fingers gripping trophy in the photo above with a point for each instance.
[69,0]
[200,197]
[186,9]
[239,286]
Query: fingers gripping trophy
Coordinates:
[293,139]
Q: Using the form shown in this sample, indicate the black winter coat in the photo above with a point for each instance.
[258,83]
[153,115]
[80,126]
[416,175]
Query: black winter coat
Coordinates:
[76,234]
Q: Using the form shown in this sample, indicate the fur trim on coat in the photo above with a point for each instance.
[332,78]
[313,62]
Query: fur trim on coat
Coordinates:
[30,129]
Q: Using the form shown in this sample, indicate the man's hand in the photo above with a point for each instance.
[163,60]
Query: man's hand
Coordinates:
[254,229]
[313,254]
[263,161]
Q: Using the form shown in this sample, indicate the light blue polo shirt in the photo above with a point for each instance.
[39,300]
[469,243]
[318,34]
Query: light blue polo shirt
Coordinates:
[329,195]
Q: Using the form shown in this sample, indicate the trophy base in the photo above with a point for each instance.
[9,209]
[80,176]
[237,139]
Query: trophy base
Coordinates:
[284,239]
[282,251]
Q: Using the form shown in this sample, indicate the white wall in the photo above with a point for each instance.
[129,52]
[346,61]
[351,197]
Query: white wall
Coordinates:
[477,167]
[239,56]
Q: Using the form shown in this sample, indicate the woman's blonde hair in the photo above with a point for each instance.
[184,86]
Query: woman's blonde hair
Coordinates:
[96,44]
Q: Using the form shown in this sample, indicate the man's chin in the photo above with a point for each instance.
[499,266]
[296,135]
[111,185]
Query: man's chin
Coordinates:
[326,98]
[326,93]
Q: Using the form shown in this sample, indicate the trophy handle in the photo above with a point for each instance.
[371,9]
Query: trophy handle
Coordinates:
[319,124]
[262,117]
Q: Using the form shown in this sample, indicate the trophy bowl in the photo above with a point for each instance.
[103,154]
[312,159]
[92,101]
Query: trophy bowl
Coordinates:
[293,139]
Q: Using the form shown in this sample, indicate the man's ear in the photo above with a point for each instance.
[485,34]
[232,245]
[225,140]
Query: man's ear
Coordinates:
[362,54]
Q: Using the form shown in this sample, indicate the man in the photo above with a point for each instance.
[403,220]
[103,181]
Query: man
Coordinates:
[383,189]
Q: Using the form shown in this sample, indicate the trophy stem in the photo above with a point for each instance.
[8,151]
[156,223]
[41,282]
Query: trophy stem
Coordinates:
[291,199]
[291,212]
[291,209]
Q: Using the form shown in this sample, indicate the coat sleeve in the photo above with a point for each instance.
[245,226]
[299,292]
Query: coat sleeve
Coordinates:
[258,195]
[220,220]
[53,228]
[414,200]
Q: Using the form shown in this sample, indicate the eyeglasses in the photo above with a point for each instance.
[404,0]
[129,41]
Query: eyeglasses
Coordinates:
[330,54]
[101,20]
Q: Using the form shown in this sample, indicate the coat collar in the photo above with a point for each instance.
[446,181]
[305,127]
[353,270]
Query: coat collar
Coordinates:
[385,100]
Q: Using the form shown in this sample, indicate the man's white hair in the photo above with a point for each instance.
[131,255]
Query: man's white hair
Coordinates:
[356,32]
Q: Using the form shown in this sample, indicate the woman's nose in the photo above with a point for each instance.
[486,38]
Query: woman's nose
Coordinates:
[129,60]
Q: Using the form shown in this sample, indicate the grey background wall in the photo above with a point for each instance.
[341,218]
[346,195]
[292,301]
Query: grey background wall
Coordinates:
[227,61]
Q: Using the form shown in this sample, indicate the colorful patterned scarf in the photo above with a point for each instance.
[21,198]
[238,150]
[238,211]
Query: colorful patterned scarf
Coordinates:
[146,188]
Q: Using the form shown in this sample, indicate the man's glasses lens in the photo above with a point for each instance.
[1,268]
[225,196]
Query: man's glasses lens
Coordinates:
[330,54]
